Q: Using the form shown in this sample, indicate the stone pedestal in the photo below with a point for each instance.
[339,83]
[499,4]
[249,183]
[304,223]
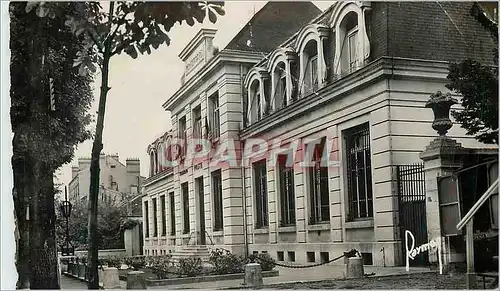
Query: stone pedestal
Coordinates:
[136,280]
[441,158]
[253,275]
[354,268]
[110,278]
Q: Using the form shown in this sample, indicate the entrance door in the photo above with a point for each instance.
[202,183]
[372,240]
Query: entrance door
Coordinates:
[201,201]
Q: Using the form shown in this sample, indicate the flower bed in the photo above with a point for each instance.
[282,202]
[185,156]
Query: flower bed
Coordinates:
[161,270]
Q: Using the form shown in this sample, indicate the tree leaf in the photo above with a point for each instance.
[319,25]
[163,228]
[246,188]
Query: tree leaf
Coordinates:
[30,5]
[219,10]
[42,11]
[212,17]
[131,51]
[79,31]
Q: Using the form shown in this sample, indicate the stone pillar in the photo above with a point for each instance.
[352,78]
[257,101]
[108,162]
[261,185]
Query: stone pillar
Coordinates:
[136,280]
[441,158]
[253,275]
[110,278]
[355,268]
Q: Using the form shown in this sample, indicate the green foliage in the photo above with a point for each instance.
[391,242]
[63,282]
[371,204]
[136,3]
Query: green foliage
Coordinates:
[478,84]
[224,262]
[160,265]
[135,262]
[190,267]
[110,220]
[265,260]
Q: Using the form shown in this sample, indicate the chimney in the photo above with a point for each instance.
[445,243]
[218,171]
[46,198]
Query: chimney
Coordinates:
[74,171]
[133,166]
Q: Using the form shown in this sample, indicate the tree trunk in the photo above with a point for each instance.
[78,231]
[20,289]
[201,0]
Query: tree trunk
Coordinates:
[20,206]
[97,146]
[43,253]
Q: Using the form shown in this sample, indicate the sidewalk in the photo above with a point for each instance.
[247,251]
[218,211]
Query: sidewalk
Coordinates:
[287,275]
[72,283]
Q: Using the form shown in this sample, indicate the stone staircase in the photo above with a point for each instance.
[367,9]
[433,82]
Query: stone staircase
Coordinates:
[191,251]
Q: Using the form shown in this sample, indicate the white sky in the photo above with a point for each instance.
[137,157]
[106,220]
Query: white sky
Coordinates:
[134,116]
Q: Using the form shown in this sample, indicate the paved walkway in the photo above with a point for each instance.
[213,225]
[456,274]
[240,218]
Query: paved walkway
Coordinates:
[324,272]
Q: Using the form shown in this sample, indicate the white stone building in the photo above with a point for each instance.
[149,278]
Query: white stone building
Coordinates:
[117,181]
[348,86]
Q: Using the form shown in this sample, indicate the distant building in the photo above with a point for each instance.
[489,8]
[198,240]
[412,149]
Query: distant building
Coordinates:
[117,181]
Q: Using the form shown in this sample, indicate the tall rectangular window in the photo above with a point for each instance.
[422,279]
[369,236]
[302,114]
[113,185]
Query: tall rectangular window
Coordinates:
[318,184]
[183,134]
[217,190]
[314,72]
[260,174]
[146,218]
[163,216]
[359,178]
[185,207]
[172,213]
[197,122]
[352,40]
[287,192]
[155,218]
[214,115]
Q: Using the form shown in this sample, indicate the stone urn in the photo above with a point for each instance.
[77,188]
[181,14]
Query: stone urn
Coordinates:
[440,104]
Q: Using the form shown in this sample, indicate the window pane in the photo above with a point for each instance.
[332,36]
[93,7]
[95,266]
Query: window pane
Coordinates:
[352,49]
[172,213]
[217,190]
[359,172]
[185,201]
[261,194]
[163,216]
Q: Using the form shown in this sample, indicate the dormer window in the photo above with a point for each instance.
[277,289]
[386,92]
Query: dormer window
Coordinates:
[311,41]
[311,68]
[255,101]
[280,89]
[351,40]
[258,86]
[349,56]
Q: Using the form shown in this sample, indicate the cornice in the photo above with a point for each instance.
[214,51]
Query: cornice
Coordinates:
[225,56]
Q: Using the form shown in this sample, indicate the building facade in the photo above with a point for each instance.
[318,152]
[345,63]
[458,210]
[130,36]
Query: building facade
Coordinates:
[118,181]
[317,125]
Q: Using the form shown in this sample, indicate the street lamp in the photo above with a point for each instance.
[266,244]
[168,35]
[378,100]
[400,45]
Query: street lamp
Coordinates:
[68,249]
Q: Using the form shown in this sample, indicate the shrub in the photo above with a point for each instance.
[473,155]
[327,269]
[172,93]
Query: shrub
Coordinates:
[224,262]
[160,265]
[135,262]
[190,267]
[265,260]
[114,262]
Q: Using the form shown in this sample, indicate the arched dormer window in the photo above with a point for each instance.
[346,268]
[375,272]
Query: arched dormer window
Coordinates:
[283,80]
[151,160]
[257,105]
[351,40]
[255,101]
[310,43]
[279,86]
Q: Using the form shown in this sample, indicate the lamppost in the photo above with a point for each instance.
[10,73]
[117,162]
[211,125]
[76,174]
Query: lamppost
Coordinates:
[68,249]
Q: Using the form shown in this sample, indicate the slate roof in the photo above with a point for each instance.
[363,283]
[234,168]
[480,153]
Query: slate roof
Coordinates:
[273,24]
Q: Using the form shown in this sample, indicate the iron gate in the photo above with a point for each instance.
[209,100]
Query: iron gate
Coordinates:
[412,215]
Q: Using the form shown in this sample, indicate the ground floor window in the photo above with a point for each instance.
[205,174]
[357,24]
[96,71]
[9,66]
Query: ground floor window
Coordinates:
[358,171]
[217,194]
[260,174]
[172,213]
[318,185]
[287,192]
[185,207]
